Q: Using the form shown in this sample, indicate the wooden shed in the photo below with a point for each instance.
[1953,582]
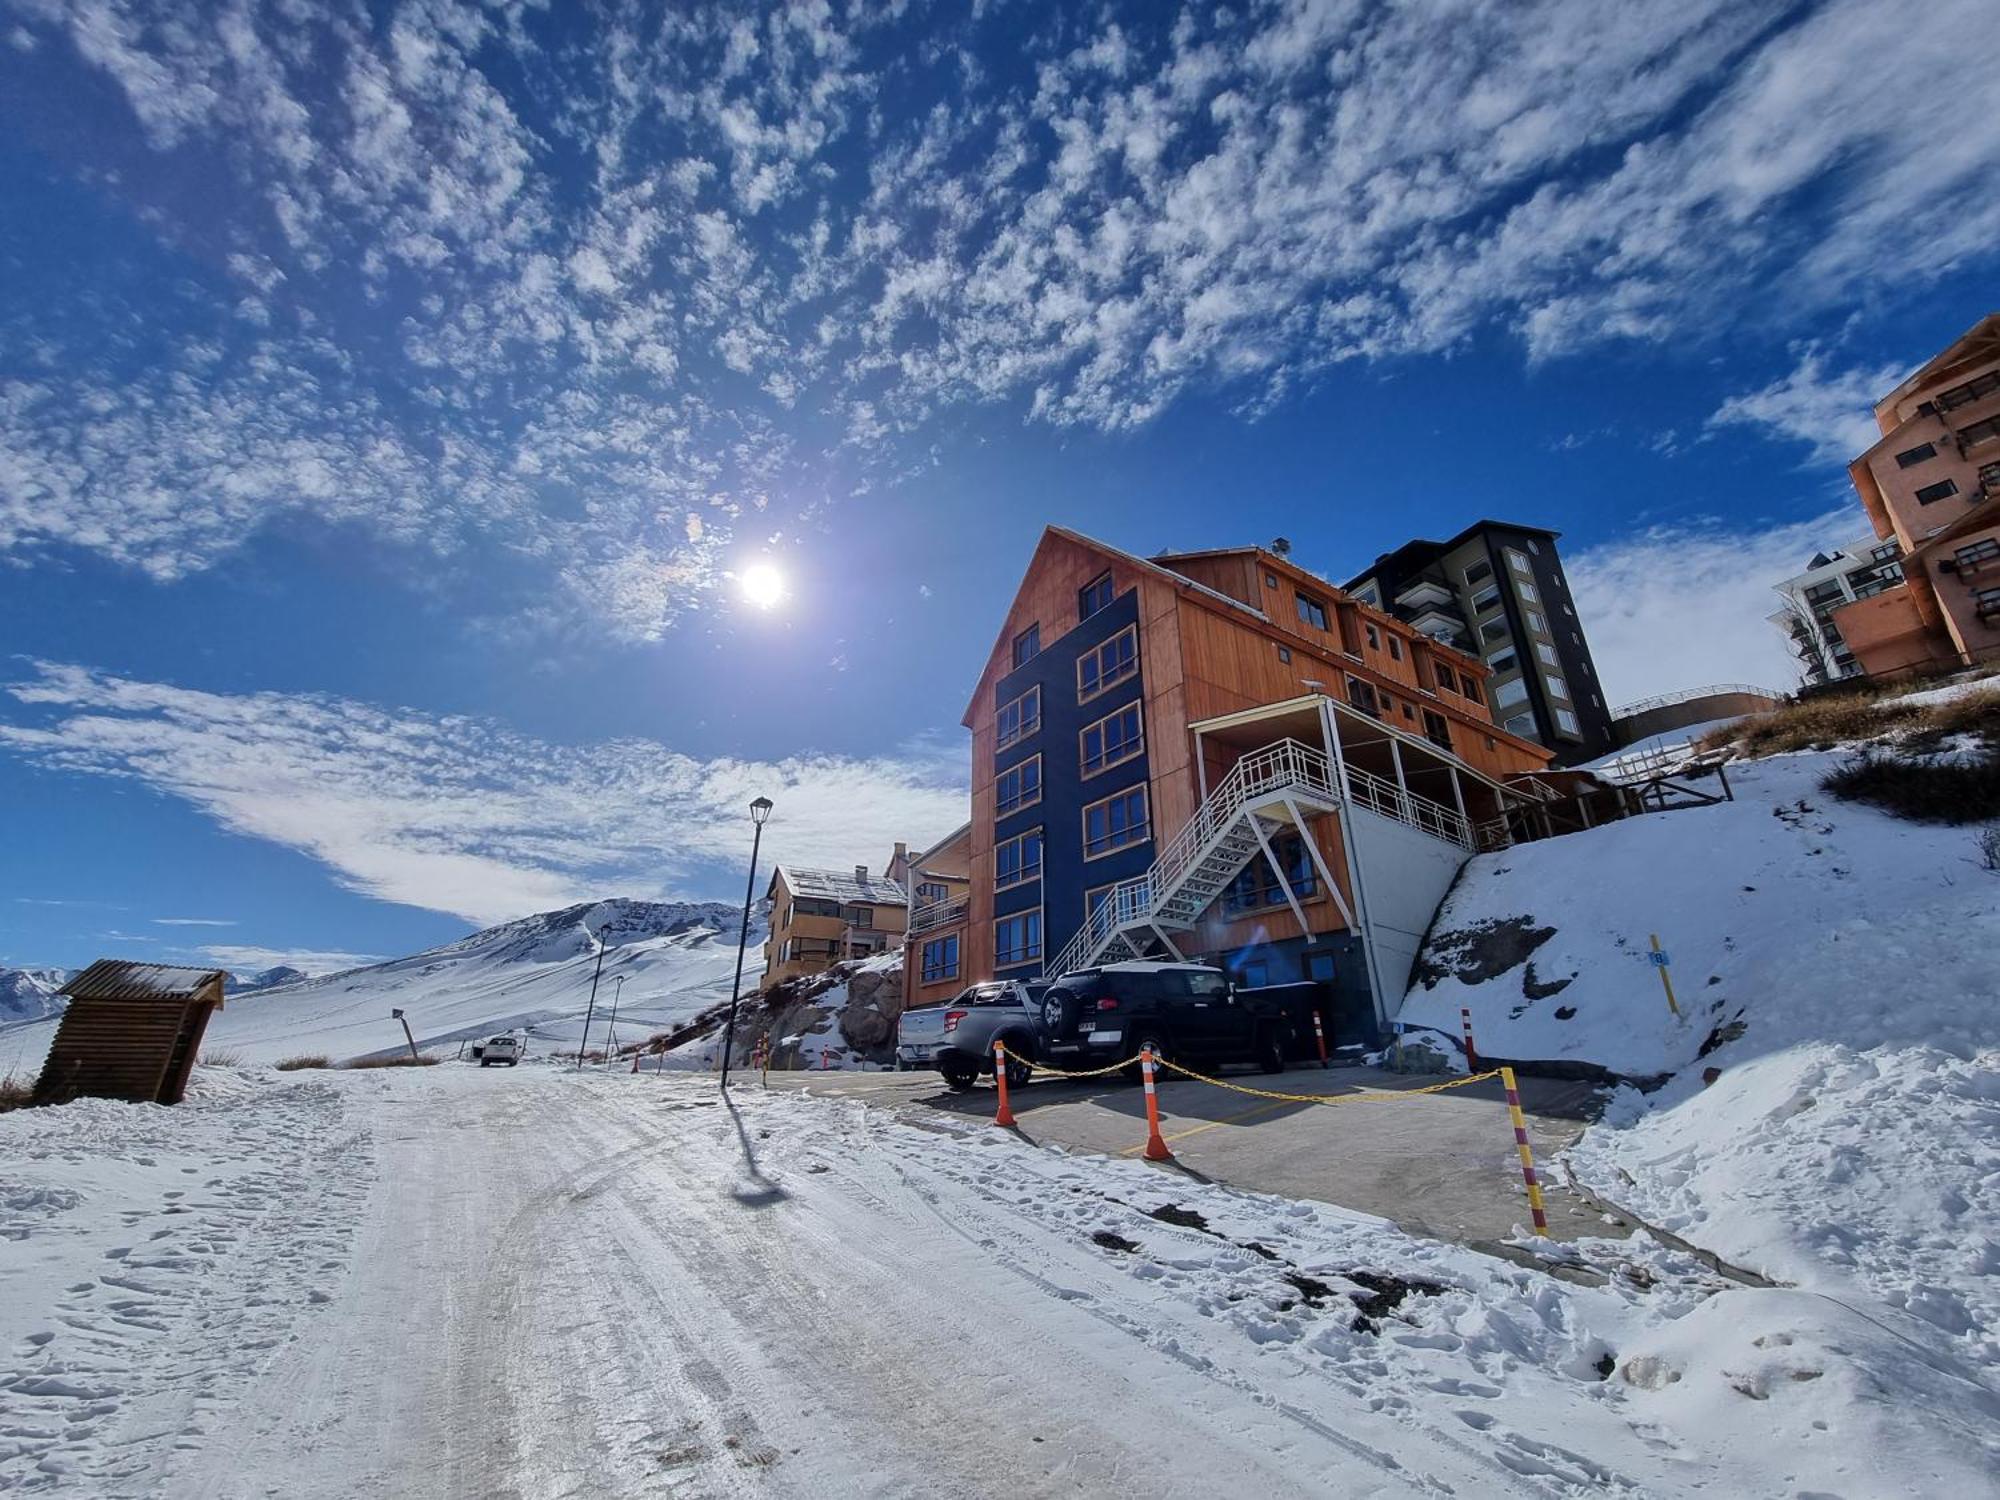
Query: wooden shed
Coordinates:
[132,1031]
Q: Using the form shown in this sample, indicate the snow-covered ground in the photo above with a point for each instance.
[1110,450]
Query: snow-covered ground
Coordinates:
[534,975]
[455,1282]
[1837,967]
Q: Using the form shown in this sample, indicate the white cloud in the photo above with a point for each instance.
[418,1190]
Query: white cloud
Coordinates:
[464,816]
[192,922]
[1830,412]
[1684,606]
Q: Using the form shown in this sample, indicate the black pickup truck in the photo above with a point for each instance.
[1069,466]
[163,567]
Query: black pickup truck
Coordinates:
[1188,1012]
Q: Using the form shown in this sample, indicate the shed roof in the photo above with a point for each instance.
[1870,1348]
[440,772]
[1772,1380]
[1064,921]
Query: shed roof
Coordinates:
[122,979]
[840,885]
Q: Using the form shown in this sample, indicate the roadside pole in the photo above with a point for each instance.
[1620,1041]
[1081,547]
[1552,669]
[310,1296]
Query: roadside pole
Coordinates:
[1659,959]
[591,1009]
[1526,1153]
[414,1057]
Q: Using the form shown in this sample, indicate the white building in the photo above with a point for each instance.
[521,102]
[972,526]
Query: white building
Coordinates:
[1832,579]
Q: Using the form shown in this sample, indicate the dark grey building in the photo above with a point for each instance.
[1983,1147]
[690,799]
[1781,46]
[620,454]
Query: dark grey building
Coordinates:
[1498,591]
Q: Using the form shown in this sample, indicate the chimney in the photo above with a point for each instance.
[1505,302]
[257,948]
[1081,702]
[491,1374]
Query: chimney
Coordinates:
[1282,546]
[861,874]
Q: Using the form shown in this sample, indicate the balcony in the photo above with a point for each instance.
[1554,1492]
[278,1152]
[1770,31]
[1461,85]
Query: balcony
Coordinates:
[937,914]
[1989,480]
[1426,591]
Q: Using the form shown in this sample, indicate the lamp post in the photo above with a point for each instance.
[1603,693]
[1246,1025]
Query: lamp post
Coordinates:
[611,1046]
[591,1009]
[759,811]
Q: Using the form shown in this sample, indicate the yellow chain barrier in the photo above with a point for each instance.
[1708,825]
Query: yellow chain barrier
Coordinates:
[1042,1067]
[1381,1097]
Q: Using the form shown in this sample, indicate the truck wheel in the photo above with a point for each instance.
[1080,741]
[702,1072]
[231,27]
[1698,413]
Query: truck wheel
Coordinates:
[1271,1050]
[1136,1073]
[1019,1069]
[959,1076]
[482,1062]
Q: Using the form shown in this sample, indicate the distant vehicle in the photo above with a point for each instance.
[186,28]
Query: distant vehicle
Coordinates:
[1188,1012]
[501,1049]
[957,1038]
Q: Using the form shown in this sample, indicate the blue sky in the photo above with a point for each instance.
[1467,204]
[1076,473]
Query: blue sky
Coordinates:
[391,395]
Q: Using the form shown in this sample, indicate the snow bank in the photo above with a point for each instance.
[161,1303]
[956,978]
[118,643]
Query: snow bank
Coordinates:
[844,1018]
[1837,970]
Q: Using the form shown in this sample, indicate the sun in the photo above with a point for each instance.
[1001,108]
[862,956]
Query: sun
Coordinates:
[762,584]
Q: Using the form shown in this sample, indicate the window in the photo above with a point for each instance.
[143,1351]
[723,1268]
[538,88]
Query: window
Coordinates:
[1395,649]
[1503,661]
[1107,665]
[1528,593]
[859,916]
[1374,636]
[1986,602]
[1548,654]
[1312,611]
[1979,432]
[1028,645]
[1437,728]
[1944,489]
[1978,553]
[1319,966]
[1446,682]
[1909,458]
[1518,561]
[1972,390]
[1256,886]
[1509,693]
[1018,860]
[1536,622]
[1566,722]
[814,906]
[1362,696]
[1116,823]
[1478,573]
[1487,598]
[1094,595]
[1113,740]
[1254,975]
[1095,897]
[1018,787]
[1557,687]
[1017,939]
[1885,552]
[931,891]
[1369,594]
[1521,724]
[1019,718]
[1270,580]
[940,959]
[1494,630]
[1284,653]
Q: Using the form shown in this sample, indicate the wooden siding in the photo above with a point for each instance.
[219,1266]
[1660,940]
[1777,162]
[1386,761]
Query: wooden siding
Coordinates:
[125,1049]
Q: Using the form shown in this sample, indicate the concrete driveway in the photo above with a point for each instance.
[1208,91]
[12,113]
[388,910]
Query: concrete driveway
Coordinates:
[1441,1165]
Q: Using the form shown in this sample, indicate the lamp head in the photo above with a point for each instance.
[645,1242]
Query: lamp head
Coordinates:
[760,810]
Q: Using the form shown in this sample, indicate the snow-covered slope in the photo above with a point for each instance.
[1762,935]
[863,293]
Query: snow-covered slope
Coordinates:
[1835,1115]
[264,979]
[30,994]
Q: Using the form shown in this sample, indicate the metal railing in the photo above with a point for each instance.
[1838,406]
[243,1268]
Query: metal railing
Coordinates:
[1665,700]
[937,914]
[1379,794]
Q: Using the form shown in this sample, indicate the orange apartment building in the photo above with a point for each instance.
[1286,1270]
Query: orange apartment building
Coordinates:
[820,917]
[940,883]
[1932,487]
[1221,755]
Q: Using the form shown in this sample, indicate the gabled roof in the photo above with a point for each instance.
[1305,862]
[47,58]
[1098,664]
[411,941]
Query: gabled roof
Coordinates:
[839,885]
[918,860]
[1977,344]
[122,979]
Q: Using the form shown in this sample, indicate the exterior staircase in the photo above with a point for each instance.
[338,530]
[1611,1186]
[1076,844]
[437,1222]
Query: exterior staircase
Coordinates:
[1265,792]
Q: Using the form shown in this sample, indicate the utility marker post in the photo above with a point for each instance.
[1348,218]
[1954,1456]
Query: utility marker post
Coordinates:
[398,1014]
[1659,959]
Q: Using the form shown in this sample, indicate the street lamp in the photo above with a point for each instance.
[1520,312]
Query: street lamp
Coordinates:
[759,811]
[603,935]
[611,1046]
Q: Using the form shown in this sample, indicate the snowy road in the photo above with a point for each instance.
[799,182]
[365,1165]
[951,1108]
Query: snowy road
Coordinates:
[458,1283]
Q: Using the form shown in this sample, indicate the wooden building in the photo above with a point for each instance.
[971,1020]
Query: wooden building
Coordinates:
[934,942]
[821,917]
[132,1031]
[1222,755]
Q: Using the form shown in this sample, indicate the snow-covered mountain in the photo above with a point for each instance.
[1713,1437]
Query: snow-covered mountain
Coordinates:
[674,959]
[263,979]
[30,994]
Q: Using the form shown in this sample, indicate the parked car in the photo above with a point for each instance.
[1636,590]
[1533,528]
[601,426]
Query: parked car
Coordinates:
[1191,1013]
[957,1038]
[501,1049]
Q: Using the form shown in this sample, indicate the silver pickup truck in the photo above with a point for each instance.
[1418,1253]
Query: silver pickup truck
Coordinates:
[957,1038]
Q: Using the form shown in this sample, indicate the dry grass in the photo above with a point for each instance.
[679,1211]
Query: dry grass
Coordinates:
[221,1057]
[1987,842]
[1921,789]
[1824,722]
[294,1064]
[399,1060]
[15,1093]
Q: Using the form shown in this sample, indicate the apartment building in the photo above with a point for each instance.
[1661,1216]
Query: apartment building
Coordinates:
[940,884]
[820,917]
[1932,486]
[1498,590]
[1220,754]
[1860,570]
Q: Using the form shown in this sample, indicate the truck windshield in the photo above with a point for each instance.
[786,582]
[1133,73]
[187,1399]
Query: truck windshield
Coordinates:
[1204,986]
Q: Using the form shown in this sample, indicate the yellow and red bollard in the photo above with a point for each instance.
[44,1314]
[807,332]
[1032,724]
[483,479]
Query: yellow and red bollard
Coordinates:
[1319,1036]
[1004,1115]
[1527,1153]
[1156,1144]
[1471,1052]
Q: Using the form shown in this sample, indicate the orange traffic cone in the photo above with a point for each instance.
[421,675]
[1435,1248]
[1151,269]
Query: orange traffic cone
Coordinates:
[1004,1115]
[1156,1144]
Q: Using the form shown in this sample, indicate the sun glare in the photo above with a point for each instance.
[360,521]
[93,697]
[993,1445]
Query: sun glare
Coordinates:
[762,585]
